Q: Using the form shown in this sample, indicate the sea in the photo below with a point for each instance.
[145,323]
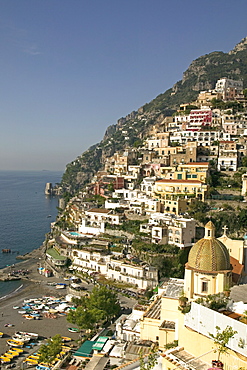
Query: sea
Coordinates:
[26,214]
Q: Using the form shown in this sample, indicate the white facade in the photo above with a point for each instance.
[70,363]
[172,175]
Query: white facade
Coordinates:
[141,275]
[228,87]
[128,327]
[228,160]
[86,228]
[170,229]
[95,216]
[204,138]
[147,185]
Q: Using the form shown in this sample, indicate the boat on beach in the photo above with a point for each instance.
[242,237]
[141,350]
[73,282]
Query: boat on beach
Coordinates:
[5,360]
[14,353]
[23,338]
[18,350]
[31,335]
[60,286]
[15,343]
[73,330]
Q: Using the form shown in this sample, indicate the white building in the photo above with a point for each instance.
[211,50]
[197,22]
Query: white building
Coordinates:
[115,267]
[147,185]
[203,138]
[128,326]
[229,88]
[96,215]
[170,229]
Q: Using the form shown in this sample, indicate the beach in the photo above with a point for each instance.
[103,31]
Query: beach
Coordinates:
[33,285]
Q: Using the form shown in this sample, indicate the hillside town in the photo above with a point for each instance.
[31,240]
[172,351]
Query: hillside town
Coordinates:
[135,215]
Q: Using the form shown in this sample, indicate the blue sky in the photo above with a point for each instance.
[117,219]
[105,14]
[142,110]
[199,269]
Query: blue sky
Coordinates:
[70,68]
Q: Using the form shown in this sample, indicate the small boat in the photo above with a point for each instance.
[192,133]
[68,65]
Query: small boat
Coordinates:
[48,216]
[31,335]
[9,355]
[34,357]
[1,334]
[14,353]
[5,360]
[73,330]
[28,317]
[23,338]
[66,339]
[42,367]
[60,286]
[15,343]
[31,361]
[18,350]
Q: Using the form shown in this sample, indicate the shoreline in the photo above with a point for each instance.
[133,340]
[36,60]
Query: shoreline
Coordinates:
[32,285]
[27,261]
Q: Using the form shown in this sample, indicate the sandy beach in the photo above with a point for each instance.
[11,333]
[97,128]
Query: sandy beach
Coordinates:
[35,286]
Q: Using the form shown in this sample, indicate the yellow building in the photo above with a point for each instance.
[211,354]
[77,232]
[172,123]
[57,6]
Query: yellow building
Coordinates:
[195,171]
[185,188]
[164,321]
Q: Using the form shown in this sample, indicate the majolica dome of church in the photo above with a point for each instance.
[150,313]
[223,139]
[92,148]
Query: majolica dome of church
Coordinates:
[209,254]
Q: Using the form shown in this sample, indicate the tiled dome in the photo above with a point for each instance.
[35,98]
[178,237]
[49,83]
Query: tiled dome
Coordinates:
[209,254]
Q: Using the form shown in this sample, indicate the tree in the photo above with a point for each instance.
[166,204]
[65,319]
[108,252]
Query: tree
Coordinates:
[102,304]
[104,300]
[221,339]
[49,351]
[151,360]
[83,318]
[198,209]
[244,161]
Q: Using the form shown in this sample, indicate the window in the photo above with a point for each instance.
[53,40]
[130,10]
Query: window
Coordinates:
[179,176]
[204,287]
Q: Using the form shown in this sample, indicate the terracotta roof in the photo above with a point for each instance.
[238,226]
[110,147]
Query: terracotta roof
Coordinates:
[99,210]
[180,181]
[237,269]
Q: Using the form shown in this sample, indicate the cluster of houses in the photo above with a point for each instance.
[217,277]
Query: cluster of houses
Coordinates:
[156,183]
[179,321]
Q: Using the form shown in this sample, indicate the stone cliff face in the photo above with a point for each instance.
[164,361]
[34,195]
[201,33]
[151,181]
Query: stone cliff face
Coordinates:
[242,45]
[202,74]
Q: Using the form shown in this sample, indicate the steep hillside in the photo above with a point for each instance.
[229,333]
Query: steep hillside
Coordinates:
[202,74]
